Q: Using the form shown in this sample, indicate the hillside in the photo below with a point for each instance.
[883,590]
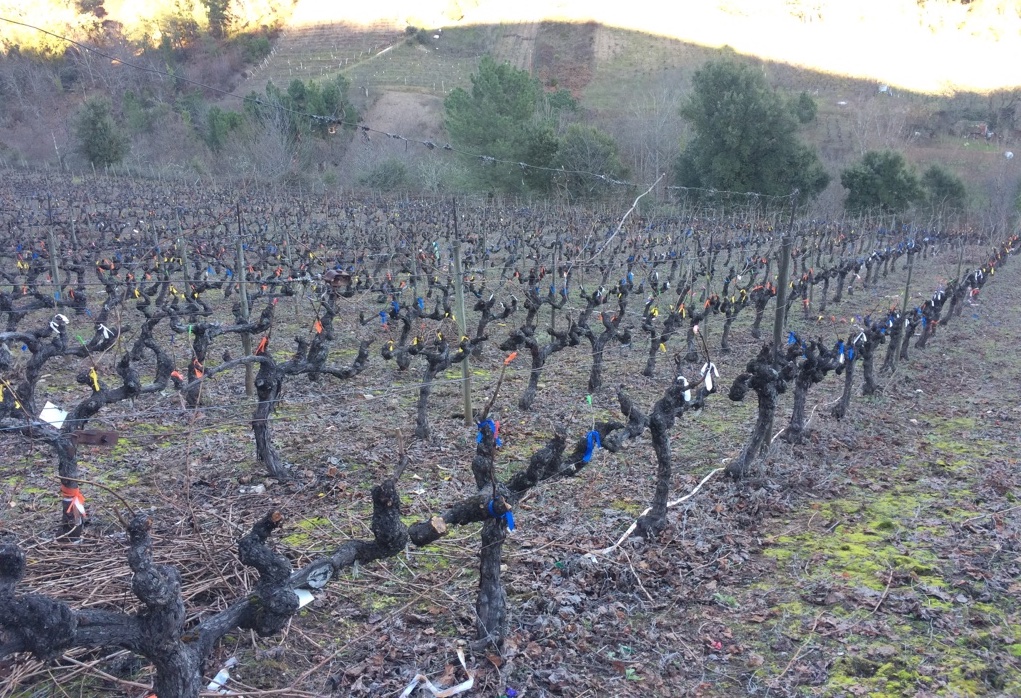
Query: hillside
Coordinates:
[920,78]
[631,83]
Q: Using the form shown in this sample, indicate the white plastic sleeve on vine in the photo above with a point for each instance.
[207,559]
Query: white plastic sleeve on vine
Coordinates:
[709,370]
[860,338]
[53,323]
[442,692]
[107,332]
[219,682]
[304,597]
[687,393]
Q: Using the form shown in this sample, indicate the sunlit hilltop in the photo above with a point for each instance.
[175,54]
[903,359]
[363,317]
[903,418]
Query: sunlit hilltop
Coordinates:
[936,47]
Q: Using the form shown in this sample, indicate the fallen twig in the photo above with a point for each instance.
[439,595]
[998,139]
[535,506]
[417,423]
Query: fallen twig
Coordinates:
[633,526]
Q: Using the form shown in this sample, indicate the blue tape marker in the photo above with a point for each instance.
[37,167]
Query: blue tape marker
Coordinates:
[592,441]
[382,318]
[492,429]
[507,516]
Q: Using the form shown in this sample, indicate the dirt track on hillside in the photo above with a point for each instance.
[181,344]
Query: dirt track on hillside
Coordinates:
[409,114]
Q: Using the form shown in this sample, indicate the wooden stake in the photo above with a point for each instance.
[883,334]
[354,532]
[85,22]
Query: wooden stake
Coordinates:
[781,283]
[54,268]
[246,338]
[466,385]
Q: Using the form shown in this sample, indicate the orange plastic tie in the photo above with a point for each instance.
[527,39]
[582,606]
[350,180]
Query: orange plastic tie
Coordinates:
[76,502]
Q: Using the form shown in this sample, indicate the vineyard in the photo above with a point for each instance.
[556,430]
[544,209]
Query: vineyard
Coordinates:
[262,444]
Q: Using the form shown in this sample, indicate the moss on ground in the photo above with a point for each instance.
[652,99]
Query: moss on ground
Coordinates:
[853,555]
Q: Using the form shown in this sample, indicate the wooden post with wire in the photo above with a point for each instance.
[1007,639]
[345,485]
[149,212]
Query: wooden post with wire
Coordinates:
[290,263]
[74,232]
[960,261]
[556,277]
[786,243]
[462,323]
[246,338]
[54,267]
[182,249]
[907,285]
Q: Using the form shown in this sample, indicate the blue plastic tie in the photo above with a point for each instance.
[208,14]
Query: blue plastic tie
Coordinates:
[507,516]
[421,303]
[592,441]
[396,306]
[492,430]
[791,338]
[382,318]
[230,273]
